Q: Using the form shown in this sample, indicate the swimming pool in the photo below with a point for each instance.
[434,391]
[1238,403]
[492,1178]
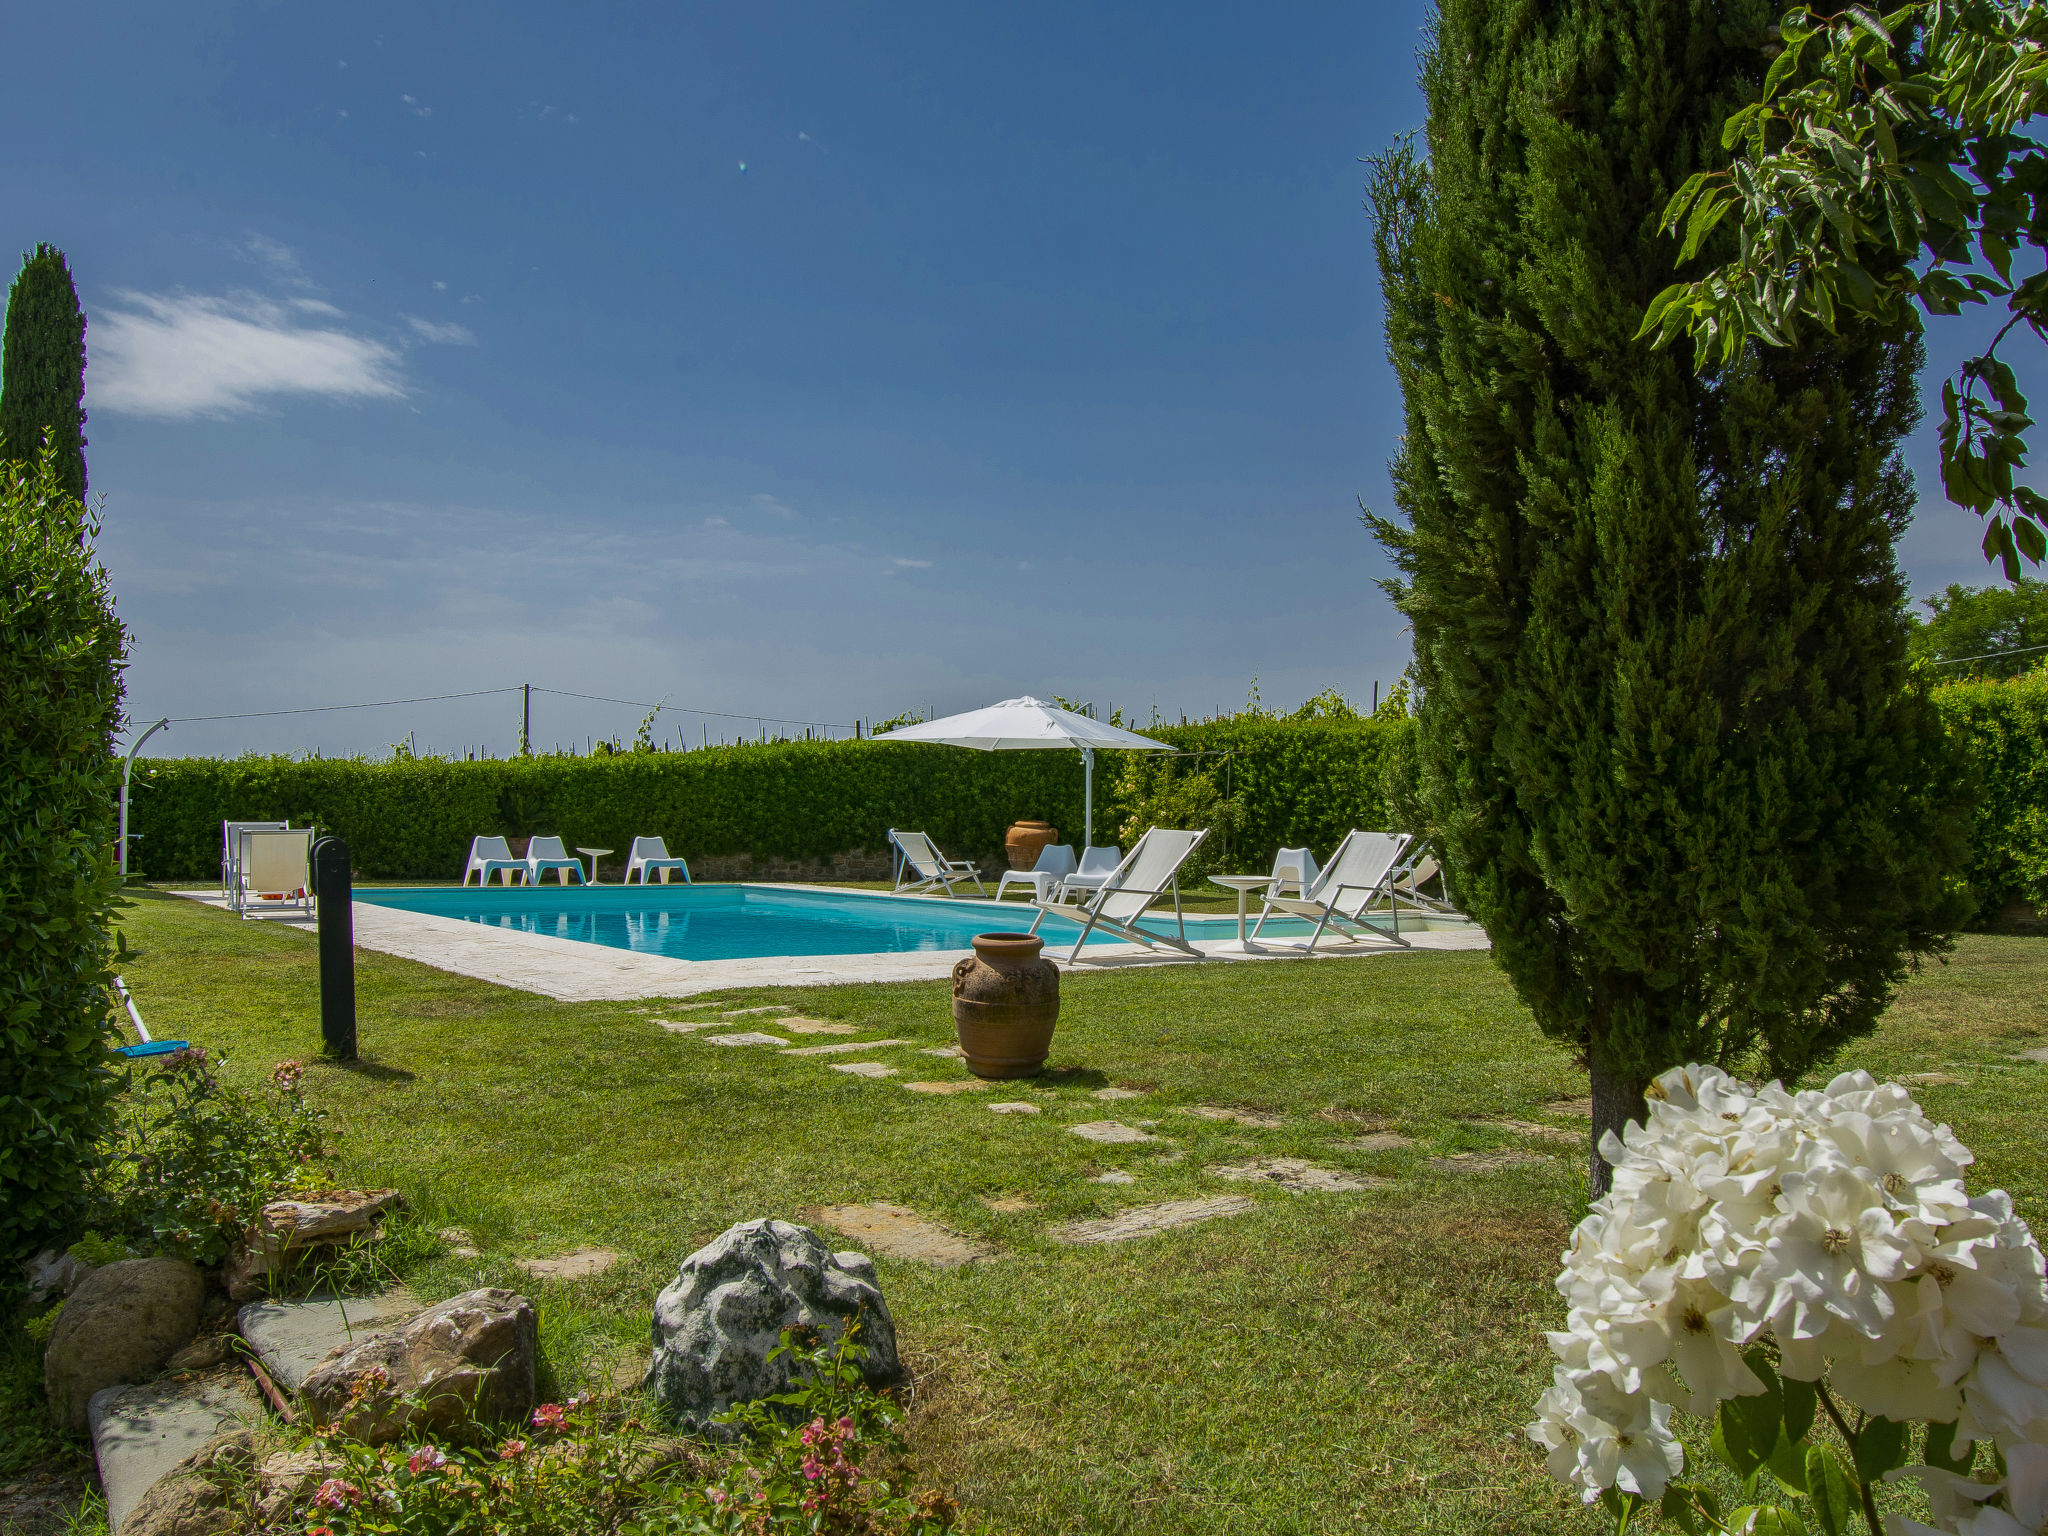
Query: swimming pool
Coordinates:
[746,922]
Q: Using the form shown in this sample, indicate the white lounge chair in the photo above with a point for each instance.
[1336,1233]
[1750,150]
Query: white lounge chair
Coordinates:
[546,853]
[1416,870]
[1295,867]
[1095,868]
[1359,876]
[275,865]
[649,855]
[230,852]
[1055,863]
[1148,873]
[917,859]
[490,856]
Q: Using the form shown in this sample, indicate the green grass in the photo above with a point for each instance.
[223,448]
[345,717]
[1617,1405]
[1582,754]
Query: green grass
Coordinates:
[1324,1362]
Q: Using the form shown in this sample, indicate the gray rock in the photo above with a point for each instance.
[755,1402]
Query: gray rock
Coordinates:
[291,1337]
[471,1356]
[51,1273]
[142,1435]
[716,1322]
[121,1324]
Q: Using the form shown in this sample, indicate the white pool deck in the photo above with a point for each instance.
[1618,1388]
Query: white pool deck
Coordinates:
[574,971]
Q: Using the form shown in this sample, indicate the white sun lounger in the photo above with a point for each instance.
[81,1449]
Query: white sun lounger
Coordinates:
[1417,870]
[651,855]
[231,852]
[1055,863]
[490,856]
[917,860]
[1359,875]
[1148,873]
[275,865]
[1096,866]
[546,853]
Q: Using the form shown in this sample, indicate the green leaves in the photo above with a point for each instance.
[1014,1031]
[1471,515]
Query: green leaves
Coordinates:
[1940,1450]
[1880,1446]
[1830,1491]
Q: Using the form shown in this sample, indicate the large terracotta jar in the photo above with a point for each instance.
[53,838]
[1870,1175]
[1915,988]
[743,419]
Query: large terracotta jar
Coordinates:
[1026,840]
[1006,1000]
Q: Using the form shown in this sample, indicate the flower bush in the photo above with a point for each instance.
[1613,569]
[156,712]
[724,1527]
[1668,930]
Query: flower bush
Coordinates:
[1780,1260]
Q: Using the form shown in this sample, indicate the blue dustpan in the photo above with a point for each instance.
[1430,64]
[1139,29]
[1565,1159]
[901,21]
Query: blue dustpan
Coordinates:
[152,1048]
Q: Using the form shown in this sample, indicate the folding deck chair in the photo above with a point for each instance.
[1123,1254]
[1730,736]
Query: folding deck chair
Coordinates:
[915,856]
[275,865]
[231,850]
[1148,872]
[1359,875]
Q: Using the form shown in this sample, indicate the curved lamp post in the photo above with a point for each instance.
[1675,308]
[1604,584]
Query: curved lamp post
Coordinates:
[127,770]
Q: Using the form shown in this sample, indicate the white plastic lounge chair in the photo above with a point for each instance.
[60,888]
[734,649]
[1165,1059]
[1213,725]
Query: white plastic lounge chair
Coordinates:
[1096,866]
[546,853]
[1359,876]
[649,855]
[1150,871]
[490,856]
[1055,863]
[918,860]
[275,865]
[230,852]
[1293,869]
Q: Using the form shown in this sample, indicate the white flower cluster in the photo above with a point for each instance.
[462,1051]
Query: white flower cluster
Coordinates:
[1836,1220]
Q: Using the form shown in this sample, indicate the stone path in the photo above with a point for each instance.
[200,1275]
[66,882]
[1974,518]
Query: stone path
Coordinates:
[1381,1141]
[1293,1173]
[2040,1055]
[745,1037]
[1114,1176]
[862,1068]
[1013,1107]
[687,1026]
[1534,1131]
[951,1085]
[950,1052]
[900,1233]
[840,1047]
[1251,1117]
[140,1433]
[802,1026]
[1484,1162]
[1114,1094]
[1144,1220]
[1935,1079]
[1110,1132]
[291,1337]
[579,1265]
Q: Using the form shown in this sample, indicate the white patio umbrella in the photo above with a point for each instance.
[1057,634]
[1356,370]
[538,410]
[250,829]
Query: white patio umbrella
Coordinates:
[1030,725]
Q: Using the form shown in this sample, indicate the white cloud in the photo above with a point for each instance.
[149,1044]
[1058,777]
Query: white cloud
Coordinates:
[280,258]
[448,333]
[194,355]
[440,287]
[770,505]
[913,565]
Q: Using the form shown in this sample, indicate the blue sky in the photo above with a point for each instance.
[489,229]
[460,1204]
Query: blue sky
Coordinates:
[815,362]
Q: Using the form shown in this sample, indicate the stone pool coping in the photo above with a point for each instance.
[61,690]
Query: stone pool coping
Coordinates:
[575,971]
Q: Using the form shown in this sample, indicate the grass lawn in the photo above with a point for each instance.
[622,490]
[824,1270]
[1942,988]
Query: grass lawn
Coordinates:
[1358,1361]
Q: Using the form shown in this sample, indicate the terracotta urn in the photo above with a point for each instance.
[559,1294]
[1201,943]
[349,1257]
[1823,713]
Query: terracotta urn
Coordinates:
[1026,840]
[1006,1000]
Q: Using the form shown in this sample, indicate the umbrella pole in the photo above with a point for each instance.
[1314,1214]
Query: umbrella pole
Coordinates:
[1087,797]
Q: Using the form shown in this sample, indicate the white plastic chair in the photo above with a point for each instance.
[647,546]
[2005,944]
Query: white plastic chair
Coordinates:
[917,857]
[275,865]
[1293,867]
[546,853]
[649,855]
[490,856]
[1096,866]
[1055,863]
[1359,876]
[230,853]
[1152,869]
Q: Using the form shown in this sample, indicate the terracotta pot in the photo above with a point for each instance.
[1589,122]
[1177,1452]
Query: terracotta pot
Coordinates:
[1006,1000]
[1026,840]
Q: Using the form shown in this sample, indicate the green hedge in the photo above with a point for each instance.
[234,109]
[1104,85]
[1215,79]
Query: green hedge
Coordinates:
[413,818]
[2006,727]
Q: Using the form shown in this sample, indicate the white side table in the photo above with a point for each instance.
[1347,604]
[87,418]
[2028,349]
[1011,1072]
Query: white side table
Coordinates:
[595,853]
[1244,885]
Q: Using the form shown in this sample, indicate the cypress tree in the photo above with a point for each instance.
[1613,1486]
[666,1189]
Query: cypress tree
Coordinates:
[1667,736]
[42,368]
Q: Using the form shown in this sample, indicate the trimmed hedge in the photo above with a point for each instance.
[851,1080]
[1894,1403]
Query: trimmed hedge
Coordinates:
[2006,726]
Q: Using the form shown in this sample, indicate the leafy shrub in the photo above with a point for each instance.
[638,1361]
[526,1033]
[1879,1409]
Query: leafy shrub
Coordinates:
[192,1159]
[61,653]
[2004,728]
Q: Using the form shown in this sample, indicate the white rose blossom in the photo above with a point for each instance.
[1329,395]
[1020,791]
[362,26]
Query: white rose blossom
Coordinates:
[1835,1219]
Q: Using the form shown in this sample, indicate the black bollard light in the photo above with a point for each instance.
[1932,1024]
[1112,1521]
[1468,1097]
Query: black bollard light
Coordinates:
[332,888]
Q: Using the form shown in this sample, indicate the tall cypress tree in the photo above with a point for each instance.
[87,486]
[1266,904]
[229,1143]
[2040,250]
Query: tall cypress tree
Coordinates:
[1667,732]
[42,368]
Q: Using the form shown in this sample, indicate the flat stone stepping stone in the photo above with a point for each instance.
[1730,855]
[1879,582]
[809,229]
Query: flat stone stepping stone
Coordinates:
[1144,1220]
[1355,1117]
[738,1013]
[579,1265]
[862,1068]
[1579,1108]
[1251,1117]
[802,1026]
[901,1233]
[1114,1176]
[1297,1175]
[140,1433]
[1110,1132]
[1531,1129]
[1013,1107]
[840,1047]
[2041,1055]
[1381,1141]
[675,1008]
[951,1085]
[950,1052]
[1118,1093]
[686,1026]
[745,1037]
[1009,1202]
[1935,1079]
[291,1337]
[1485,1162]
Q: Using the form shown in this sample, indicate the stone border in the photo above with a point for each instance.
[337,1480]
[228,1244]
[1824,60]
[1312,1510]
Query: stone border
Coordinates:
[576,971]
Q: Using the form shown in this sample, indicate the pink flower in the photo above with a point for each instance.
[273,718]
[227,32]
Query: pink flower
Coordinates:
[336,1494]
[549,1416]
[425,1459]
[286,1075]
[846,1426]
[511,1450]
[813,1469]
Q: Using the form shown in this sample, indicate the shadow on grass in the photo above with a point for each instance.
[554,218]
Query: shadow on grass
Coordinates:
[365,1066]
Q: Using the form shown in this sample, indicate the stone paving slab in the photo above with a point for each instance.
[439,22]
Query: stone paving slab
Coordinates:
[840,1047]
[689,1026]
[291,1337]
[1013,1107]
[1114,1094]
[1251,1117]
[950,1085]
[798,1025]
[1144,1220]
[862,1068]
[1485,1162]
[745,1037]
[1935,1079]
[2041,1055]
[1009,1202]
[578,1265]
[1296,1174]
[1381,1141]
[1114,1176]
[1110,1132]
[950,1052]
[140,1433]
[900,1233]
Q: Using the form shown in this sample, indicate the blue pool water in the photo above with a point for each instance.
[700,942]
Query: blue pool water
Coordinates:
[743,922]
